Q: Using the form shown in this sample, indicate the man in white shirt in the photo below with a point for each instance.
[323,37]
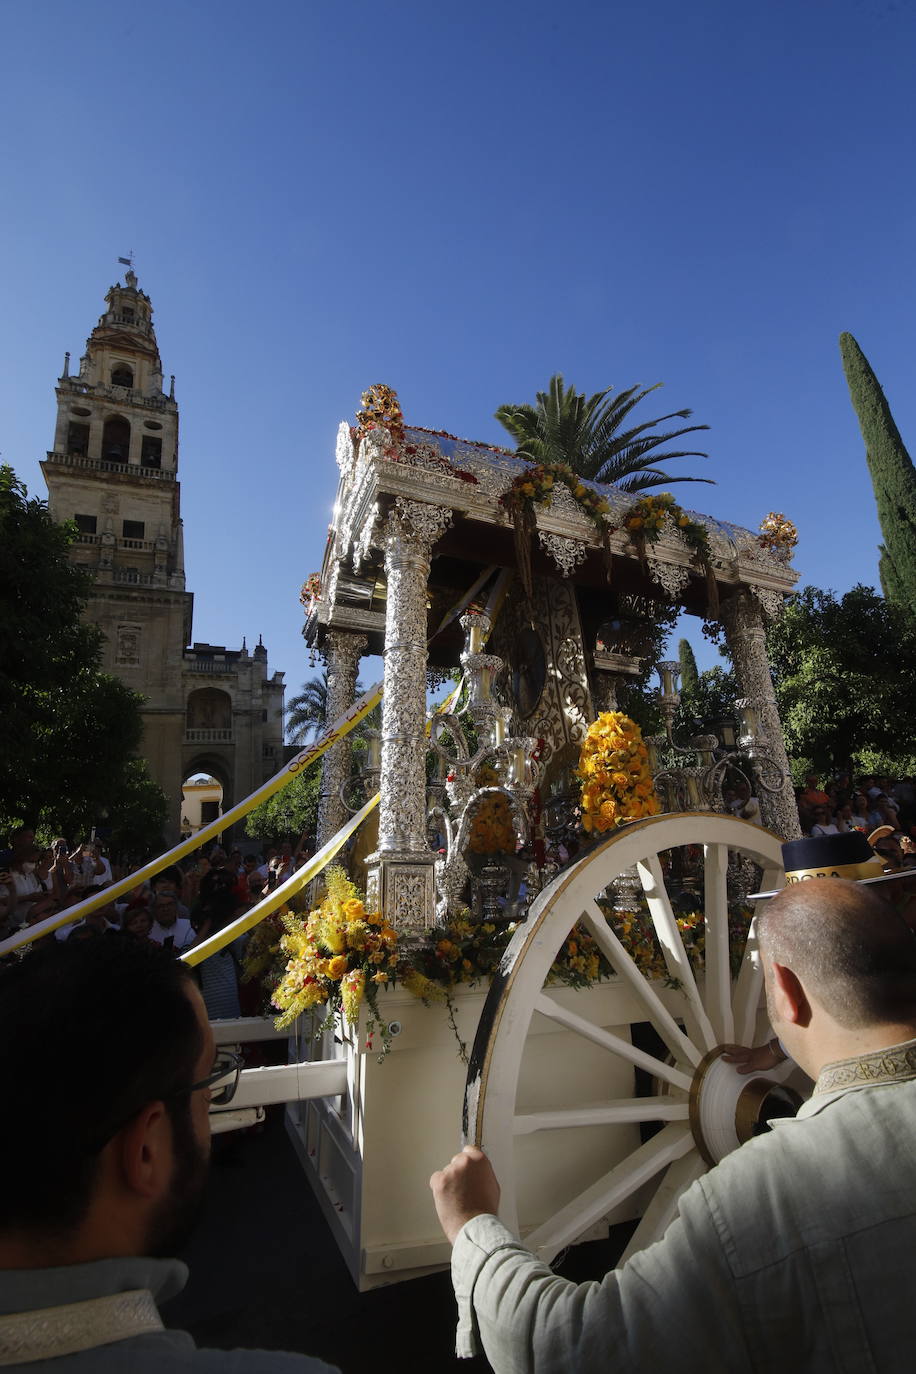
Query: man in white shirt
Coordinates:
[795,1251]
[169,929]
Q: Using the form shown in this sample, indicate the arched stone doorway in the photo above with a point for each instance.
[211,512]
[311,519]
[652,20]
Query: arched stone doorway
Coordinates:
[207,779]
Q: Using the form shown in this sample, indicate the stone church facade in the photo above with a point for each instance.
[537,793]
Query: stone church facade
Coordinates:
[114,471]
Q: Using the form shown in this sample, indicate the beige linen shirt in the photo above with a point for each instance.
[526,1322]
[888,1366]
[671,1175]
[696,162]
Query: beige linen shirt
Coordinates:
[797,1252]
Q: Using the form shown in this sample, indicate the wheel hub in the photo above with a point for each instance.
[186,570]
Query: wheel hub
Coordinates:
[728,1108]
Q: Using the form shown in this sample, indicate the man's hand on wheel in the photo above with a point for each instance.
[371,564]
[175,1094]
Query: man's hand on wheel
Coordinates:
[465,1188]
[753,1060]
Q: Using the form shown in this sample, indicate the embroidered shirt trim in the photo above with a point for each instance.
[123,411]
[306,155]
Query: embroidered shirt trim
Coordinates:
[894,1064]
[48,1332]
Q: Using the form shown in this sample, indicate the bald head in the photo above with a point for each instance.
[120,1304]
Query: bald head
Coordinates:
[848,948]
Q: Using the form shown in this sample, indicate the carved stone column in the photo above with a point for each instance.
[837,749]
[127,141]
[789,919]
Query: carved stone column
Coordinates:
[401,875]
[743,619]
[342,652]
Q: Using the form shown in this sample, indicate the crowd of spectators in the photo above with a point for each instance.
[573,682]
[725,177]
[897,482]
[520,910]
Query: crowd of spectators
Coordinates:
[176,909]
[881,807]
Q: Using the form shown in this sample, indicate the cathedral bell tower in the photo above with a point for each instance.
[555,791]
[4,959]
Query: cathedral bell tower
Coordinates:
[114,471]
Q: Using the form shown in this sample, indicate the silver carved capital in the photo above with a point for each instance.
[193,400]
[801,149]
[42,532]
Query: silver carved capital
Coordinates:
[418,521]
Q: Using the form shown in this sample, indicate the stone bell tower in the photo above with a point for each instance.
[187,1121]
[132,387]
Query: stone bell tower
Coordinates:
[114,471]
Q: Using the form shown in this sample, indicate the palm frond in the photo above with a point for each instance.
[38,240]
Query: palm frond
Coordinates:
[588,433]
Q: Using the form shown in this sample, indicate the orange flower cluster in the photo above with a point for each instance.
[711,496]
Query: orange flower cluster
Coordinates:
[493,828]
[647,516]
[614,773]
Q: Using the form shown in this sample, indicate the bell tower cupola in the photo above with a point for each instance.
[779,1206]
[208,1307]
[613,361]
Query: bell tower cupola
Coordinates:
[114,465]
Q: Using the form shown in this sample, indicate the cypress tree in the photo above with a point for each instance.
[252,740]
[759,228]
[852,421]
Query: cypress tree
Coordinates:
[690,675]
[893,477]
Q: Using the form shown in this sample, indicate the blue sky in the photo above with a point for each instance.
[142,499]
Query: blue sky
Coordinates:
[460,201]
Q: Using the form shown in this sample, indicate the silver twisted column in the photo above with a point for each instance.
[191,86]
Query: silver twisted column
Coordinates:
[401,880]
[342,652]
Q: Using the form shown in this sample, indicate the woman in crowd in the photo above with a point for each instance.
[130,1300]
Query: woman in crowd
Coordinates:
[823,824]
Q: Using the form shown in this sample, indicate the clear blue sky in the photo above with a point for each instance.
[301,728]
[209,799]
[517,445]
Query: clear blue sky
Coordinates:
[459,201]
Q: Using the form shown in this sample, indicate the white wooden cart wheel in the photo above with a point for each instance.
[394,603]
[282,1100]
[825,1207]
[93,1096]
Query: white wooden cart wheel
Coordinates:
[696,1094]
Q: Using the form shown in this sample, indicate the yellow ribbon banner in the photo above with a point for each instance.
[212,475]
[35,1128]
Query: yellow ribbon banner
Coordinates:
[309,870]
[341,727]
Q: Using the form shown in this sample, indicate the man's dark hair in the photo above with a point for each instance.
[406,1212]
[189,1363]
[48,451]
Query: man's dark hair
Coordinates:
[90,1033]
[168,875]
[850,949]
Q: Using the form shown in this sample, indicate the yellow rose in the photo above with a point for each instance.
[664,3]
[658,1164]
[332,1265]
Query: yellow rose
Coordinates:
[337,966]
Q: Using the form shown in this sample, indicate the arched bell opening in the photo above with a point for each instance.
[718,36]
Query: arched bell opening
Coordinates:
[116,440]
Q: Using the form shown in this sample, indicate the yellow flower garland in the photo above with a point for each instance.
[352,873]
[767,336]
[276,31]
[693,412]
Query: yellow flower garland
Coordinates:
[614,774]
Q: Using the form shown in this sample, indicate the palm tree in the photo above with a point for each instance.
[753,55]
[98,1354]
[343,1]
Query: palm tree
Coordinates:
[587,433]
[305,712]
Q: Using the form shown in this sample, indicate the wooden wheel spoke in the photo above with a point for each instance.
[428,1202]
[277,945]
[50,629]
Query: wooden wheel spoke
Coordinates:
[669,937]
[615,1043]
[718,988]
[662,1210]
[620,1112]
[749,987]
[617,1185]
[626,967]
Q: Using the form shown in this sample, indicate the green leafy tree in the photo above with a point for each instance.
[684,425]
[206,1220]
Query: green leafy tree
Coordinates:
[711,697]
[590,434]
[893,477]
[292,811]
[844,671]
[70,730]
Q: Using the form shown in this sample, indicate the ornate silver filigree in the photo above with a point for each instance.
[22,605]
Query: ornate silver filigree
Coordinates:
[427,523]
[495,472]
[406,536]
[562,501]
[566,553]
[565,708]
[409,896]
[345,450]
[367,537]
[671,577]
